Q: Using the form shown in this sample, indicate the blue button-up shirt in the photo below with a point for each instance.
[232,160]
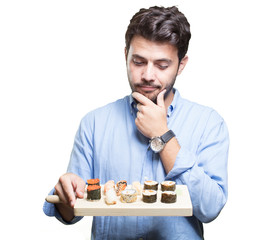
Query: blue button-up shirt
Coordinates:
[109,146]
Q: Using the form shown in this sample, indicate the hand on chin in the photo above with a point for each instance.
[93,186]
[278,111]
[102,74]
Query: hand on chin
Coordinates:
[152,95]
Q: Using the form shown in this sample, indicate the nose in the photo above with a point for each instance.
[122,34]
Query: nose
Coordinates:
[148,72]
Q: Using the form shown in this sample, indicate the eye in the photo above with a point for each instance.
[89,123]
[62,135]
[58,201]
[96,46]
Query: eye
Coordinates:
[138,62]
[162,66]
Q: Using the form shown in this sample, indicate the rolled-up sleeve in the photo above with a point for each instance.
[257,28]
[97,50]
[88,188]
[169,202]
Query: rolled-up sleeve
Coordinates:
[205,171]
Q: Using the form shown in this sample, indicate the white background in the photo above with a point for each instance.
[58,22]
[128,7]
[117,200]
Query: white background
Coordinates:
[61,59]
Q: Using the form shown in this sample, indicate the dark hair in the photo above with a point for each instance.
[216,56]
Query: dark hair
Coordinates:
[161,25]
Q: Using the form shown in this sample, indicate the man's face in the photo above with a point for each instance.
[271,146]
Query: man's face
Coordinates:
[152,67]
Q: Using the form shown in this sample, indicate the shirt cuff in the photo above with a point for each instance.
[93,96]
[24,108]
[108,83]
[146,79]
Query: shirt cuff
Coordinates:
[51,211]
[184,161]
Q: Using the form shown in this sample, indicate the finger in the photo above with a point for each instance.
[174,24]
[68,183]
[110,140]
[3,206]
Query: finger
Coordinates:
[59,191]
[141,98]
[139,107]
[160,98]
[68,190]
[139,115]
[80,188]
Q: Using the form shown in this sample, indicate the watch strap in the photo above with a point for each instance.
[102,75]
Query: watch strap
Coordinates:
[167,136]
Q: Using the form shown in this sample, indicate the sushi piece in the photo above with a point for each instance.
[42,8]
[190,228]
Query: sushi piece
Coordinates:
[168,197]
[120,186]
[95,181]
[153,185]
[128,196]
[109,184]
[111,197]
[137,187]
[168,186]
[93,192]
[149,196]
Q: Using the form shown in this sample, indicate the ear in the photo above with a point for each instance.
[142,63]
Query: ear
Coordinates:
[182,64]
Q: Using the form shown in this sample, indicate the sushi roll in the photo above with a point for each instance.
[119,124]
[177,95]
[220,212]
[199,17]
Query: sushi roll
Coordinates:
[93,192]
[137,187]
[153,185]
[128,196]
[95,181]
[109,184]
[149,196]
[120,186]
[168,197]
[111,197]
[168,186]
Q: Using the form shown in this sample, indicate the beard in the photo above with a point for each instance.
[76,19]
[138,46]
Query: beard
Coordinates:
[152,95]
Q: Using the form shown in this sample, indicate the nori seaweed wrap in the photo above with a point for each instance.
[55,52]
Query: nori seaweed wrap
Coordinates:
[168,197]
[93,192]
[153,185]
[149,196]
[168,186]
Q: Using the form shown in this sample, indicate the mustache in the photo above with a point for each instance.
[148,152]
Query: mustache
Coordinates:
[147,85]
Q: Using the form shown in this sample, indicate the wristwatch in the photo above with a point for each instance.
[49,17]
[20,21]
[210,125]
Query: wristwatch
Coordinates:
[157,144]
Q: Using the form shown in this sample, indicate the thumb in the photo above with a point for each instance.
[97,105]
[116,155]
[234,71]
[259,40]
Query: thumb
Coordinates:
[160,98]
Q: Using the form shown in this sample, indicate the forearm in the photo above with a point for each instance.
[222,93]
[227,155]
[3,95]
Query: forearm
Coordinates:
[169,153]
[66,212]
[51,210]
[202,166]
[208,197]
[208,191]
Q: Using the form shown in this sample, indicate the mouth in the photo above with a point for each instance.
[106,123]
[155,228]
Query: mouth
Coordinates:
[147,88]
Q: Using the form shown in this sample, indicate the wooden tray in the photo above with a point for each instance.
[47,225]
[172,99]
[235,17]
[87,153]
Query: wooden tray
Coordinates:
[182,206]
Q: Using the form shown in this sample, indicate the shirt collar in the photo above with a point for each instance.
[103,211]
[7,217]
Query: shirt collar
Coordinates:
[173,103]
[133,105]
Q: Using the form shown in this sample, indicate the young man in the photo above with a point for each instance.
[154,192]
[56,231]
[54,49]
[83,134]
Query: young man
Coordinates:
[120,140]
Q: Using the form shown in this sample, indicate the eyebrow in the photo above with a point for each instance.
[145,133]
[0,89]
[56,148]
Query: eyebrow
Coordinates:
[156,60]
[137,56]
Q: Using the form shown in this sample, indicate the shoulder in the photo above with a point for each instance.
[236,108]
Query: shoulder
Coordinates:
[198,113]
[197,108]
[206,121]
[103,112]
[103,115]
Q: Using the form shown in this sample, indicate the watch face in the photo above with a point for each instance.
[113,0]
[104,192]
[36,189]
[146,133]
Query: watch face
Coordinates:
[157,144]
